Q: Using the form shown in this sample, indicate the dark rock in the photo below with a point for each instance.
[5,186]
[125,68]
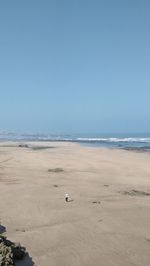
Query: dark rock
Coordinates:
[18,251]
[23,146]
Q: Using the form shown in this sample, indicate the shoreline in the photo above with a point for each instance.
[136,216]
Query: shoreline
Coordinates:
[39,145]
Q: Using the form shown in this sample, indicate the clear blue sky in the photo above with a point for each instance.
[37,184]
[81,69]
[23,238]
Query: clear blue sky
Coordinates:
[75,66]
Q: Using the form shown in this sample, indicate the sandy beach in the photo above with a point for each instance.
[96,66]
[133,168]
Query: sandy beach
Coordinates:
[106,222]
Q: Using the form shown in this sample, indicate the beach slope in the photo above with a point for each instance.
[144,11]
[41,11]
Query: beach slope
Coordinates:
[106,221]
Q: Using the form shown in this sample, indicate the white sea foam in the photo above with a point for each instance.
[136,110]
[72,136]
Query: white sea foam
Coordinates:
[140,140]
[92,139]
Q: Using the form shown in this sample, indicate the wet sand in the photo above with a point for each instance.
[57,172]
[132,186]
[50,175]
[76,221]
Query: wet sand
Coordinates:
[107,221]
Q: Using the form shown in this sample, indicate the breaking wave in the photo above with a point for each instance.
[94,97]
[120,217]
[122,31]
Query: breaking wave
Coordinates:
[139,140]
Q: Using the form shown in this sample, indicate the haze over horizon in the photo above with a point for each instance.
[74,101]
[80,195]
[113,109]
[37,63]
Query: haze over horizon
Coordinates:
[75,67]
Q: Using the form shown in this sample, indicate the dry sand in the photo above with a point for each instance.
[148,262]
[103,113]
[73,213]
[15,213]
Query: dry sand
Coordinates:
[108,221]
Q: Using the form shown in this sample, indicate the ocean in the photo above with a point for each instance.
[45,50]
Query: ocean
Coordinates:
[124,141]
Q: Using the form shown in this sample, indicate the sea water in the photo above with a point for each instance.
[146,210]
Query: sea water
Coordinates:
[127,141]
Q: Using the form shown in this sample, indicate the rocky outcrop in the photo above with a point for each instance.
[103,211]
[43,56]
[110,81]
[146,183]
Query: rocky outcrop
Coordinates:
[10,252]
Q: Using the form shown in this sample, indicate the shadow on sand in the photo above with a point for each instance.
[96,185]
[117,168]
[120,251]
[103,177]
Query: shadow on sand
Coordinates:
[2,229]
[27,261]
[70,200]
